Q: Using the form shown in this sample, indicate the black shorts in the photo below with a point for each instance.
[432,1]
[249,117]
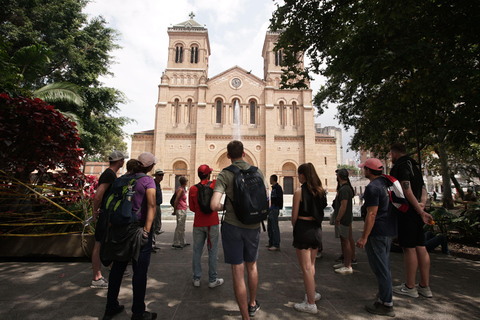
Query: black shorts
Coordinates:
[307,234]
[100,227]
[410,230]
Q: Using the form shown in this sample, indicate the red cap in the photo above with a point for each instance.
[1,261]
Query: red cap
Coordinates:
[204,169]
[372,163]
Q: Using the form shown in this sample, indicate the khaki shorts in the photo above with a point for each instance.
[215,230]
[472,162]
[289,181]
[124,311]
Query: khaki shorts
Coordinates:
[342,231]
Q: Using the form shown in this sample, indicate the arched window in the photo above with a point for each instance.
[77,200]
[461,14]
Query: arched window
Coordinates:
[190,111]
[281,111]
[294,113]
[218,109]
[179,54]
[194,54]
[253,108]
[278,58]
[176,109]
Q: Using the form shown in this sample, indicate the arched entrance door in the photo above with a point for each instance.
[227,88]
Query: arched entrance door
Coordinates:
[179,169]
[288,172]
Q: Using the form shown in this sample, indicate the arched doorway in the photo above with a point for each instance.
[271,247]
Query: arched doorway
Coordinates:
[180,168]
[289,171]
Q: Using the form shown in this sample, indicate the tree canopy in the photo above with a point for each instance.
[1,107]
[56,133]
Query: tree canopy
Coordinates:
[398,71]
[71,49]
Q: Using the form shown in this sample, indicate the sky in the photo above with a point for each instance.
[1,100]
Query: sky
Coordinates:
[236,32]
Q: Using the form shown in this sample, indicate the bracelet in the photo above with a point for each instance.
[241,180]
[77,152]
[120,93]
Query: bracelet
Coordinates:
[145,232]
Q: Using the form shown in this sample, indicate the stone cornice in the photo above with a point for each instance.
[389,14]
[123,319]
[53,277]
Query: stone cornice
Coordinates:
[329,140]
[180,136]
[229,137]
[289,138]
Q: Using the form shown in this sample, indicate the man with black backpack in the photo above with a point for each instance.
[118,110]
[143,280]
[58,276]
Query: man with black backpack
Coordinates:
[205,227]
[246,205]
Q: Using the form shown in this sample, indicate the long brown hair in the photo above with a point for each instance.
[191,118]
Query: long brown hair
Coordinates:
[312,180]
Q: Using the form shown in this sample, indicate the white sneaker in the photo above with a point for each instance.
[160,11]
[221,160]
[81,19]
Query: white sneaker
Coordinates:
[305,307]
[404,290]
[100,283]
[424,291]
[318,296]
[196,282]
[338,265]
[344,270]
[216,283]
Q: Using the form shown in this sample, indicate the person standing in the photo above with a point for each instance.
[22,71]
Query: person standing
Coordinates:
[143,202]
[379,230]
[276,204]
[157,222]
[205,228]
[343,221]
[180,211]
[411,236]
[308,204]
[240,241]
[107,178]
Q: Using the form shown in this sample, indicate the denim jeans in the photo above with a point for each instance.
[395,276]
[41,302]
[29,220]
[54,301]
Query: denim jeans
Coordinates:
[273,229]
[179,236]
[378,253]
[432,241]
[139,280]
[200,234]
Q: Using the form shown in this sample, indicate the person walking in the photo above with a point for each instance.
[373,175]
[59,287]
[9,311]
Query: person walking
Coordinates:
[205,228]
[143,201]
[240,241]
[276,204]
[180,211]
[379,230]
[411,235]
[157,222]
[107,178]
[308,204]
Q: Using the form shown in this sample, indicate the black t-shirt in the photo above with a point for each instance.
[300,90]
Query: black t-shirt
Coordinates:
[108,176]
[277,196]
[344,193]
[406,169]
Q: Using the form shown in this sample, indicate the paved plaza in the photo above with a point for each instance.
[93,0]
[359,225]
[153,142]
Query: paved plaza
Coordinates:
[61,290]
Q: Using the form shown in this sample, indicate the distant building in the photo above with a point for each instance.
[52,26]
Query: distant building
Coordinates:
[337,134]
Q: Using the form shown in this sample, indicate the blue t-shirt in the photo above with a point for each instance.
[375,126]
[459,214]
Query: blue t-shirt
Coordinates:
[376,195]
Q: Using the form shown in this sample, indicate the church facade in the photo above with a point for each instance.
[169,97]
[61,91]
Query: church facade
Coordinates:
[197,115]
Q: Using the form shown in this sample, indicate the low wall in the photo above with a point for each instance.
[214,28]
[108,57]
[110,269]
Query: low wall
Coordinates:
[69,245]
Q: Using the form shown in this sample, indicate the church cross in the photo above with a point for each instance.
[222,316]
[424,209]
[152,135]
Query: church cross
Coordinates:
[191,15]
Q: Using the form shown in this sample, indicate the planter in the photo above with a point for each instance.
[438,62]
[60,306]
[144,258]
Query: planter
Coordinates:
[68,246]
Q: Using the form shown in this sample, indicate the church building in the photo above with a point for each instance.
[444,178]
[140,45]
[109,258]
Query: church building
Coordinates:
[197,115]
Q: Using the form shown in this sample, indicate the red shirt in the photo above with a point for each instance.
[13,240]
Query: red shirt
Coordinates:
[201,219]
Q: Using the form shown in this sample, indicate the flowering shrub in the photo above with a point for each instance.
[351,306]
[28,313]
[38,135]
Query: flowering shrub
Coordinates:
[35,136]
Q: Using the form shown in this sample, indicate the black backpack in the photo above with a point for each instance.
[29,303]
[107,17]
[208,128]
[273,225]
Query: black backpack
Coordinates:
[118,205]
[172,199]
[251,198]
[204,197]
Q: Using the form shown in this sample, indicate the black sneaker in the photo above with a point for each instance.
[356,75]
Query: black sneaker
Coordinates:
[253,310]
[110,313]
[145,316]
[380,309]
[340,258]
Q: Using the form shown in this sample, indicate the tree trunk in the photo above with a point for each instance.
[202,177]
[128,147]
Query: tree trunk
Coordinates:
[447,190]
[457,185]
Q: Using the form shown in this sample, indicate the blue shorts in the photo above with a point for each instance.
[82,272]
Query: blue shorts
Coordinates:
[239,244]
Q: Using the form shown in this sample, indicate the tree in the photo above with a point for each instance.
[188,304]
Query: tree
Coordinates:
[403,71]
[77,52]
[35,136]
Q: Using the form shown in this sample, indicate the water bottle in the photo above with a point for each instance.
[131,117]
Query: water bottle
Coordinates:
[130,193]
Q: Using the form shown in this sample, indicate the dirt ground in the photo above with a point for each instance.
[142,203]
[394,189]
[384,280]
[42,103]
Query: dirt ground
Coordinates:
[464,251]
